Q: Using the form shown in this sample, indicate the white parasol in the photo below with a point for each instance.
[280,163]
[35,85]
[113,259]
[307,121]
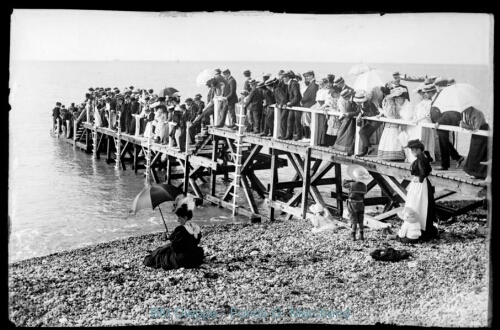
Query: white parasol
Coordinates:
[458,97]
[359,69]
[203,77]
[373,78]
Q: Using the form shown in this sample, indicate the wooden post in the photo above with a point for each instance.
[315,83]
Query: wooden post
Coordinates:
[186,176]
[306,182]
[118,145]
[338,188]
[314,129]
[108,149]
[213,172]
[277,122]
[137,125]
[148,160]
[357,140]
[217,103]
[188,137]
[67,129]
[87,109]
[94,141]
[75,130]
[274,179]
[168,175]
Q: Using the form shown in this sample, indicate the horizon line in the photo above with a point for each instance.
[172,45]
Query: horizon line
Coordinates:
[273,61]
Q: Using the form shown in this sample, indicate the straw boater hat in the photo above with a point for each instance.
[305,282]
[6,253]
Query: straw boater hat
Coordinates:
[308,73]
[316,208]
[409,215]
[271,81]
[419,88]
[346,92]
[359,173]
[338,81]
[360,96]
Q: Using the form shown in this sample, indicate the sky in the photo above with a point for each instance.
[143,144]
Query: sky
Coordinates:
[440,38]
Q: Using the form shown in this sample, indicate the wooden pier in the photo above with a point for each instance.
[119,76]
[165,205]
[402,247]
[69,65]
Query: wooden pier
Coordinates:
[236,156]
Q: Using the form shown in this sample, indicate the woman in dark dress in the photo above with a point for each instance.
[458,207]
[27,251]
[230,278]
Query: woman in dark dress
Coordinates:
[473,119]
[182,251]
[420,196]
[347,130]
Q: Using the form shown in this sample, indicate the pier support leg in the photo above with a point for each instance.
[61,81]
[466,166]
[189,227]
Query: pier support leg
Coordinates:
[274,179]
[338,188]
[306,182]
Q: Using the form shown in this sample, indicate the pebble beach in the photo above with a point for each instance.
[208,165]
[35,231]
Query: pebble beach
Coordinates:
[267,273]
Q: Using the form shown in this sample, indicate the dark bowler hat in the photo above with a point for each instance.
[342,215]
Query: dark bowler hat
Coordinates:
[338,81]
[309,73]
[226,71]
[58,104]
[131,87]
[162,98]
[188,100]
[253,82]
[346,92]
[91,89]
[151,91]
[247,72]
[395,74]
[107,89]
[331,77]
[270,82]
[197,96]
[217,70]
[288,73]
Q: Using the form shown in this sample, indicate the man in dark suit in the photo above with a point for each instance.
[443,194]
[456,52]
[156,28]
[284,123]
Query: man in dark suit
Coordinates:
[56,113]
[451,118]
[294,125]
[230,99]
[192,110]
[246,85]
[308,100]
[254,103]
[280,100]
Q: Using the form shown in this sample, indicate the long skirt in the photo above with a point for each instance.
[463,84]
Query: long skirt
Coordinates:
[346,135]
[478,152]
[148,131]
[389,147]
[405,136]
[322,128]
[98,119]
[162,131]
[420,198]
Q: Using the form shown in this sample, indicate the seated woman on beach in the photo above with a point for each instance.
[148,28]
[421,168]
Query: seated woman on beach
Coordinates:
[182,251]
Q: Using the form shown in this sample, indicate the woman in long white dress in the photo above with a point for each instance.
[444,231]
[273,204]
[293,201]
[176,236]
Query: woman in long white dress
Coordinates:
[422,115]
[161,131]
[390,148]
[405,110]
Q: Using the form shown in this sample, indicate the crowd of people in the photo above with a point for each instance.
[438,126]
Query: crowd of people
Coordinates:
[286,90]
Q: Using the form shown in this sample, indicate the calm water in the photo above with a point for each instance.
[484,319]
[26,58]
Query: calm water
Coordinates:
[60,198]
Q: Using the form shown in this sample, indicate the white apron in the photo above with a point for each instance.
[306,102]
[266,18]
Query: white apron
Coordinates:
[417,199]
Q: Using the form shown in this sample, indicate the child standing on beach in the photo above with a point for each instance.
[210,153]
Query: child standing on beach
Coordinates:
[182,250]
[355,202]
[410,230]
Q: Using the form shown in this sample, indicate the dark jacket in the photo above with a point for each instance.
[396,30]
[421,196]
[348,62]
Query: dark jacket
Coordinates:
[255,100]
[309,97]
[421,167]
[230,91]
[293,93]
[280,96]
[193,111]
[135,108]
[451,118]
[368,109]
[56,112]
[268,96]
[201,106]
[246,85]
[357,190]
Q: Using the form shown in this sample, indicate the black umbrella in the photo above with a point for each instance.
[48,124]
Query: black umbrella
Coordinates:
[154,196]
[169,91]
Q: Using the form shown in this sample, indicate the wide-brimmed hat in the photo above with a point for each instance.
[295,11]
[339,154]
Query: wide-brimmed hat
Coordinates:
[359,173]
[360,96]
[415,144]
[288,73]
[409,215]
[181,199]
[398,91]
[428,88]
[338,81]
[316,208]
[271,81]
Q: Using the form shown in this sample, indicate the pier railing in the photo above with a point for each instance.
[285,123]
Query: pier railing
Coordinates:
[315,112]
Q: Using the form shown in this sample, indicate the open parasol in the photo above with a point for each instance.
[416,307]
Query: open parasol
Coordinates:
[371,79]
[168,91]
[203,77]
[359,69]
[153,196]
[458,97]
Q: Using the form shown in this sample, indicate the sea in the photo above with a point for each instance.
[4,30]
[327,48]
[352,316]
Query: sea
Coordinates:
[59,198]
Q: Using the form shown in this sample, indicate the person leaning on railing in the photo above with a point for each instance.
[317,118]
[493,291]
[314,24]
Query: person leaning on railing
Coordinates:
[473,120]
[451,118]
[254,107]
[366,108]
[280,99]
[292,117]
